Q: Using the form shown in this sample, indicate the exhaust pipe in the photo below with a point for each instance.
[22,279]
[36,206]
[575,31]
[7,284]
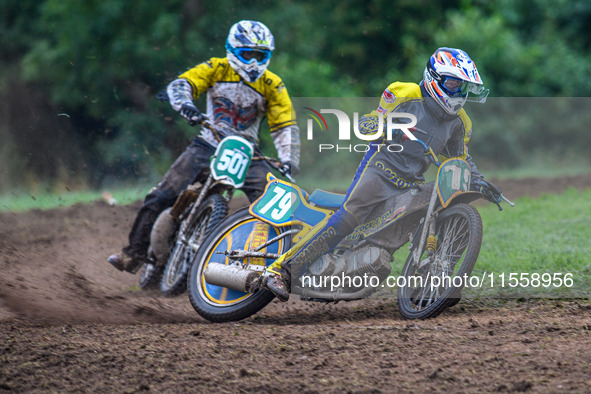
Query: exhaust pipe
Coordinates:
[230,276]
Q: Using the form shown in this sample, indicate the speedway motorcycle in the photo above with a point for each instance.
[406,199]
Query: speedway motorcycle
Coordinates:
[179,231]
[226,278]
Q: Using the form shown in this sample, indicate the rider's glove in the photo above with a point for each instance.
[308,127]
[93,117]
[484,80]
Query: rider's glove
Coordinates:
[288,167]
[489,190]
[191,113]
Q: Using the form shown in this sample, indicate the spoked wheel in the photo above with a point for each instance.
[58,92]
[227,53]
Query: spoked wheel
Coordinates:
[238,231]
[429,282]
[174,278]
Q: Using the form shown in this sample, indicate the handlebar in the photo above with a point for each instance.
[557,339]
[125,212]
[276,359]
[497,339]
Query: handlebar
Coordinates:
[258,155]
[498,191]
[507,200]
[217,134]
[208,125]
[433,158]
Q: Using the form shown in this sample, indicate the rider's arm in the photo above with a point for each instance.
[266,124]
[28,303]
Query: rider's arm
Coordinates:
[477,182]
[287,143]
[282,122]
[393,96]
[190,84]
[489,191]
[179,92]
[475,172]
[457,146]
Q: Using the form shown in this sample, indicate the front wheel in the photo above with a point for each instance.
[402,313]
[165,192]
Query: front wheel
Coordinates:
[174,278]
[238,231]
[429,282]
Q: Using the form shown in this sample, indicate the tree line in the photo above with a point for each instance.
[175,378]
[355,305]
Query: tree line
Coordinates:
[79,78]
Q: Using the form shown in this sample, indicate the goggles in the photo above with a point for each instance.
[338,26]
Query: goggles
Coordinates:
[456,87]
[246,55]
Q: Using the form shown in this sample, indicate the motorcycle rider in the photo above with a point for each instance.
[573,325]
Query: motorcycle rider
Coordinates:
[449,80]
[240,93]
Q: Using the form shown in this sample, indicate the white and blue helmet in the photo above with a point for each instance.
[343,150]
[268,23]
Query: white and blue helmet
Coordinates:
[249,47]
[450,77]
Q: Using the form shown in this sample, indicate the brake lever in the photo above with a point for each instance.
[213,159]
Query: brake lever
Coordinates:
[507,200]
[503,198]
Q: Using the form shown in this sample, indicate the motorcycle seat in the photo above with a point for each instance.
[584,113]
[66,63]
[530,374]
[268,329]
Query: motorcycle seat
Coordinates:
[326,199]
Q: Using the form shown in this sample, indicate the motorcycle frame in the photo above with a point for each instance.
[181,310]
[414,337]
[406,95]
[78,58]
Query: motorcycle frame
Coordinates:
[429,221]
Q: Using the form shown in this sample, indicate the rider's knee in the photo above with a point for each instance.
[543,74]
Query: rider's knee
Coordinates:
[159,199]
[343,221]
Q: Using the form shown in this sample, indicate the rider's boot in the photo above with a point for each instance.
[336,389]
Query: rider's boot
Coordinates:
[277,282]
[124,262]
[134,255]
[321,239]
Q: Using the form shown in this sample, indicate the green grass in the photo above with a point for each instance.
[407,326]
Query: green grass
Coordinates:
[540,167]
[20,200]
[549,234]
[24,201]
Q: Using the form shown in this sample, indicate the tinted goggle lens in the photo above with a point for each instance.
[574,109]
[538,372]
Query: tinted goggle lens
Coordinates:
[246,55]
[454,85]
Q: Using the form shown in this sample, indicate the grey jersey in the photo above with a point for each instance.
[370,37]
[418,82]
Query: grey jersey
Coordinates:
[445,134]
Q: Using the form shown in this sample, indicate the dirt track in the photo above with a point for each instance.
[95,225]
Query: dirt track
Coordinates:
[69,322]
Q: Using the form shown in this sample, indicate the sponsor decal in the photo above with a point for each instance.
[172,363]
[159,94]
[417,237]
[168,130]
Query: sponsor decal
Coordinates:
[388,96]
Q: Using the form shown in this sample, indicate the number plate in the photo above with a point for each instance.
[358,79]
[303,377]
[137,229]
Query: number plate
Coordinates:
[453,178]
[277,204]
[283,204]
[231,160]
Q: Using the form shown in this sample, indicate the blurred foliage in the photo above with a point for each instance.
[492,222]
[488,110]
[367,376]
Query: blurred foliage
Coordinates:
[101,63]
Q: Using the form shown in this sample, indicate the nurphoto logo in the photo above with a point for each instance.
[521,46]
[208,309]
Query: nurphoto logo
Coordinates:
[391,124]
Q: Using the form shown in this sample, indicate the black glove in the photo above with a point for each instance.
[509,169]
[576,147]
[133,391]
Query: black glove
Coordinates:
[289,168]
[191,113]
[489,190]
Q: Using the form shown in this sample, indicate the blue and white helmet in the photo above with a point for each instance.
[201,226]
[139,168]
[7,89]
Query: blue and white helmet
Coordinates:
[249,47]
[450,77]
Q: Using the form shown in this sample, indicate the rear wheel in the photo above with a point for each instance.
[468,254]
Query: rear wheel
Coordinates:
[238,231]
[429,282]
[174,278]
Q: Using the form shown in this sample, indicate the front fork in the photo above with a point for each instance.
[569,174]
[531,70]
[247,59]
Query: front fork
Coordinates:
[431,240]
[427,233]
[182,236]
